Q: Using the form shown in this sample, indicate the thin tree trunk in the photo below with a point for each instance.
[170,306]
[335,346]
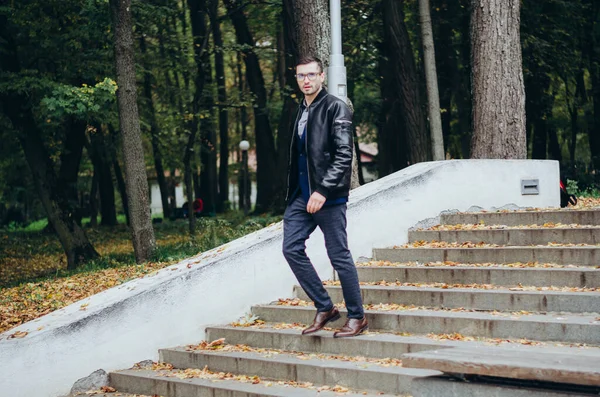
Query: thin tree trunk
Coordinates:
[497,74]
[244,178]
[594,69]
[404,78]
[94,201]
[70,159]
[539,114]
[158,163]
[199,32]
[144,242]
[222,98]
[265,142]
[102,168]
[433,96]
[447,69]
[118,172]
[208,151]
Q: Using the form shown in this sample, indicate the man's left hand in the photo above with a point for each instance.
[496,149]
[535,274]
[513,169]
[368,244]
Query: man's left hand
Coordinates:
[315,202]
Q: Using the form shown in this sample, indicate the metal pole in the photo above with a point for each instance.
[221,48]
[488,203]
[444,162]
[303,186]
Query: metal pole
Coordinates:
[245,184]
[336,73]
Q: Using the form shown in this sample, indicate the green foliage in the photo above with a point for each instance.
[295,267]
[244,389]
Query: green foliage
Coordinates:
[85,102]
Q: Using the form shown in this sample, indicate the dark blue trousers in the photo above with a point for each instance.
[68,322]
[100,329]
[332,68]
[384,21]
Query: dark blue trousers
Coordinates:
[297,227]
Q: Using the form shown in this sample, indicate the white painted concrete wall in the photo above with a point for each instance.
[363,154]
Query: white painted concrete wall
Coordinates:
[129,323]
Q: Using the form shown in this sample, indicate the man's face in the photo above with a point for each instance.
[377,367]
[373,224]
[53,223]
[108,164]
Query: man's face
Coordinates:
[308,86]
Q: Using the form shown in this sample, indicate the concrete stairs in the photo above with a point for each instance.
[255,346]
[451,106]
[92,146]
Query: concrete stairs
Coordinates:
[509,284]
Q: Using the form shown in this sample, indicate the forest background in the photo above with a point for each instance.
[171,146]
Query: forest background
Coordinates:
[207,74]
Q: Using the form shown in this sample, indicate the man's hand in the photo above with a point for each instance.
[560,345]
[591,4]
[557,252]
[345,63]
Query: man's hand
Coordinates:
[315,202]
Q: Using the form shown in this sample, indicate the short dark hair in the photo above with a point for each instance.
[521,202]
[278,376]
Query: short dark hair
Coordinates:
[306,59]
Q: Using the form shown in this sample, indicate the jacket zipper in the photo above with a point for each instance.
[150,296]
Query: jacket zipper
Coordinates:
[310,191]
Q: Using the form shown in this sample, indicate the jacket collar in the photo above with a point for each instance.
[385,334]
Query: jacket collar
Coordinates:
[322,94]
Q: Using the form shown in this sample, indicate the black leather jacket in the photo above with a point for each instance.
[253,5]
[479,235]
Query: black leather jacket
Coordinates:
[329,147]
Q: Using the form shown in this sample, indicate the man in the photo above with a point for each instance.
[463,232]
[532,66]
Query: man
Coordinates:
[318,186]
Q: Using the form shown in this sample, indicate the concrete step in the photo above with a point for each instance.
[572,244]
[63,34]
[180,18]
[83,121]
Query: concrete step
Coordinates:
[357,374]
[512,364]
[377,345]
[511,237]
[436,386]
[580,255]
[568,328]
[581,217]
[579,277]
[97,393]
[371,344]
[473,298]
[155,383]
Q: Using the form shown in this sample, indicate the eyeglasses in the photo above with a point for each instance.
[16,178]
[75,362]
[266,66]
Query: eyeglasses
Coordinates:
[311,76]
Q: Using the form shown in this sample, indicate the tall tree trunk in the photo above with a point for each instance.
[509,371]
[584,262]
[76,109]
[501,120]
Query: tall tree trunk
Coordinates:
[187,176]
[291,94]
[208,144]
[405,81]
[447,69]
[539,110]
[70,159]
[158,163]
[312,28]
[433,96]
[118,171]
[594,69]
[144,242]
[244,178]
[94,201]
[265,142]
[497,74]
[391,134]
[463,84]
[102,169]
[199,32]
[222,99]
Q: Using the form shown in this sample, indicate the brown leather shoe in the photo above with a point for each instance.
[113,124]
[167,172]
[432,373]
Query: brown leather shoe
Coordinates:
[321,319]
[352,327]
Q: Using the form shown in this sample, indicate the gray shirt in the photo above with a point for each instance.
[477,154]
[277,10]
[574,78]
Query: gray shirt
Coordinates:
[302,122]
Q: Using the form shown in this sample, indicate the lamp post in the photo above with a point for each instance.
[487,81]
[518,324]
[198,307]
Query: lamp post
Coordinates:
[244,146]
[336,72]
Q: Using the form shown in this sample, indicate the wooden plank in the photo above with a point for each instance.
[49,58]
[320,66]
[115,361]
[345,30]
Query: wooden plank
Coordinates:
[574,368]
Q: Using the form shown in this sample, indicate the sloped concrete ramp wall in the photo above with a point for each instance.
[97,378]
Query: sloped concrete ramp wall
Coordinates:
[172,307]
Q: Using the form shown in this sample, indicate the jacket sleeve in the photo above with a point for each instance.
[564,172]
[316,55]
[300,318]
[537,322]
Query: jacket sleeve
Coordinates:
[341,131]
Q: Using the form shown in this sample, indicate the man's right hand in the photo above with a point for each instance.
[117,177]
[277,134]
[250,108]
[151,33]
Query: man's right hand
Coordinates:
[315,202]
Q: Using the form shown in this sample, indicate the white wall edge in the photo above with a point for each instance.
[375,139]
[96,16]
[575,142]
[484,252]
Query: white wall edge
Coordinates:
[171,307]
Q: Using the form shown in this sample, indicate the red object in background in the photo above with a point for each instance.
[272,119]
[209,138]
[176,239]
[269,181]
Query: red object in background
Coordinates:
[198,205]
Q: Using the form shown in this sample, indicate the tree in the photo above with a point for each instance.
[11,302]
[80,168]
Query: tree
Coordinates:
[200,42]
[265,142]
[433,96]
[154,133]
[213,13]
[403,137]
[497,74]
[133,152]
[18,108]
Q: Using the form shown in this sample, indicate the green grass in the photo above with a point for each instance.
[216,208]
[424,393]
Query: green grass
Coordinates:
[30,254]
